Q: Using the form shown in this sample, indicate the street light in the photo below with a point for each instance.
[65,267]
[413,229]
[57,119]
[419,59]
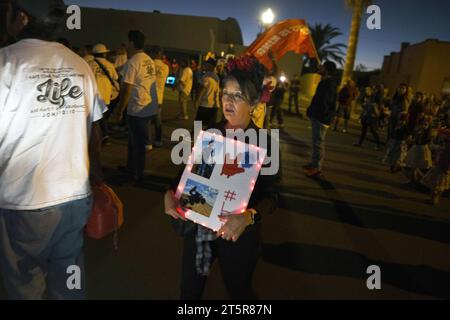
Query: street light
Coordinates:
[267,17]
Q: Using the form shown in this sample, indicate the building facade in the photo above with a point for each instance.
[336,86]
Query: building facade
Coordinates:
[424,66]
[180,33]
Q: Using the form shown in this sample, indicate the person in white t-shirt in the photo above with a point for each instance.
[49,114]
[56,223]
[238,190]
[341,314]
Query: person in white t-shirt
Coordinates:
[138,96]
[162,72]
[106,76]
[208,98]
[184,86]
[49,109]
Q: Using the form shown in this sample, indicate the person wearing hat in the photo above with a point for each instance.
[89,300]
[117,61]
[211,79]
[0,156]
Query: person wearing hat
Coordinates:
[208,98]
[49,113]
[107,81]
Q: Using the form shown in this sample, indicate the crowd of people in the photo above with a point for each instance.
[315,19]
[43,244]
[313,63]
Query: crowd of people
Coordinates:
[416,127]
[57,107]
[49,91]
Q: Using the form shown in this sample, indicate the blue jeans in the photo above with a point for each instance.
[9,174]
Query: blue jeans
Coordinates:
[319,132]
[37,247]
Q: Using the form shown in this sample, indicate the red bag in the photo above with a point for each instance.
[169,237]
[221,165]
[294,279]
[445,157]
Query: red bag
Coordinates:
[107,213]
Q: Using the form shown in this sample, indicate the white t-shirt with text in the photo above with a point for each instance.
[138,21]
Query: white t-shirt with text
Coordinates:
[162,72]
[48,101]
[140,72]
[186,79]
[210,97]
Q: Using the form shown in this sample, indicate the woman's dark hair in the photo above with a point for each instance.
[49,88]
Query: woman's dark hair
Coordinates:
[138,38]
[249,73]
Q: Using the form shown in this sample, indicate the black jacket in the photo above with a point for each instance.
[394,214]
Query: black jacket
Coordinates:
[323,104]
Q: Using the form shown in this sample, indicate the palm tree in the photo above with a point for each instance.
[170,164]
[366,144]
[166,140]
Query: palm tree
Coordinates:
[322,37]
[357,7]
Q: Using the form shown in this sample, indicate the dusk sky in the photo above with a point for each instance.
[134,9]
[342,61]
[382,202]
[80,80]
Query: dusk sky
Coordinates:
[401,20]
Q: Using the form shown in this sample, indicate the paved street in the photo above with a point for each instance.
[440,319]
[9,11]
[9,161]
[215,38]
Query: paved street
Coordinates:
[316,246]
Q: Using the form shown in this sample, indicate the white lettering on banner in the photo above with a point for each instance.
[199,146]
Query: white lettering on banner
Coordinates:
[281,34]
[74,21]
[267,45]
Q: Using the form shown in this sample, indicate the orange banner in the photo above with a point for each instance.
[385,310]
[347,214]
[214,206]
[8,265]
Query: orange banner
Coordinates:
[287,35]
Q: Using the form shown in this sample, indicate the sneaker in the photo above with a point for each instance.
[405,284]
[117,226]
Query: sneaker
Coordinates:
[149,147]
[344,131]
[158,144]
[312,172]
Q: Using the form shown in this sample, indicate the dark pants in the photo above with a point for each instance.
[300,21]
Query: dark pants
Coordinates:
[344,111]
[38,246]
[393,119]
[156,120]
[293,98]
[137,140]
[237,262]
[207,116]
[373,128]
[276,111]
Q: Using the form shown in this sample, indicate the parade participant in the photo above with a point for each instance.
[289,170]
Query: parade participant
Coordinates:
[418,157]
[184,86]
[369,119]
[321,112]
[438,178]
[162,72]
[396,146]
[208,98]
[236,244]
[346,97]
[138,77]
[46,156]
[294,89]
[106,77]
[399,104]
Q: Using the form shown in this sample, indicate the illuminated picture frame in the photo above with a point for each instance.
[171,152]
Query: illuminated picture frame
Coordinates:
[219,178]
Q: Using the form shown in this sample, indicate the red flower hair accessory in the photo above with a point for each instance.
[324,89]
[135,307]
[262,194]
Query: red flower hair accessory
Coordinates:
[243,63]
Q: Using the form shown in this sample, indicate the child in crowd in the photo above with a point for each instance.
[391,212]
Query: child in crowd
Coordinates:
[396,147]
[438,178]
[419,155]
[369,118]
